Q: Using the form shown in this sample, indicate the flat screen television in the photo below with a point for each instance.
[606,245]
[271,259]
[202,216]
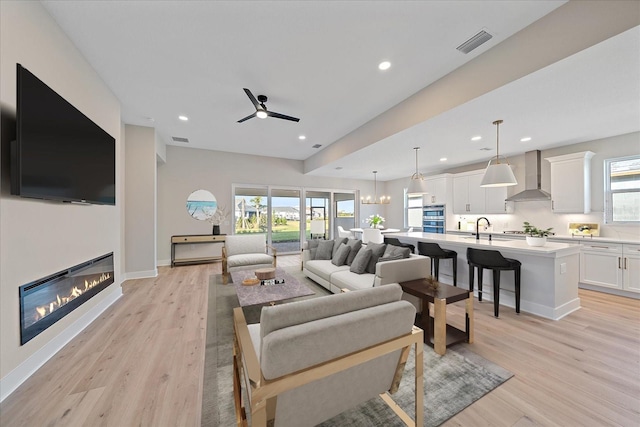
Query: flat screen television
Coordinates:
[59,154]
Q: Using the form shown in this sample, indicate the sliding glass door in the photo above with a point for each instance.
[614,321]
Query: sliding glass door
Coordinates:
[285,219]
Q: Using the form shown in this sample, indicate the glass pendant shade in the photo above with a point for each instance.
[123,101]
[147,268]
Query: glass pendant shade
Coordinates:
[498,174]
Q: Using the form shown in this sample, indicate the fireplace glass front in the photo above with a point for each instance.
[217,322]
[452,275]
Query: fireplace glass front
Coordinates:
[47,300]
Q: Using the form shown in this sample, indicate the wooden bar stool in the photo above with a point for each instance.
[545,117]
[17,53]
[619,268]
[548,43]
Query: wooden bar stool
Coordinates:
[436,253]
[493,260]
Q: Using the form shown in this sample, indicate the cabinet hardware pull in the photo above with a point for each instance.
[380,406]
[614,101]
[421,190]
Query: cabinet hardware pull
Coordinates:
[625,263]
[552,206]
[599,247]
[619,266]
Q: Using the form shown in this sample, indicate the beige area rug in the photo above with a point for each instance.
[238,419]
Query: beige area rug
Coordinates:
[452,382]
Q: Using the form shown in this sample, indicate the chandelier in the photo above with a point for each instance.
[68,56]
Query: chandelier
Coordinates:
[383,200]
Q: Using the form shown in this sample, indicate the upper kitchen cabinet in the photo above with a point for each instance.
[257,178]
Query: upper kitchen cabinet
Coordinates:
[469,197]
[571,182]
[440,188]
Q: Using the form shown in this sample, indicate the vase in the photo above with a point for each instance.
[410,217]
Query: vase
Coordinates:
[536,240]
[216,230]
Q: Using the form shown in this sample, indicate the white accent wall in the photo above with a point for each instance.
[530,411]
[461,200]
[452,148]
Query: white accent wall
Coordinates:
[38,238]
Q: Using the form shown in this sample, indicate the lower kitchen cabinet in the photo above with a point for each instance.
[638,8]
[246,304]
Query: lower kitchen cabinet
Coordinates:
[611,265]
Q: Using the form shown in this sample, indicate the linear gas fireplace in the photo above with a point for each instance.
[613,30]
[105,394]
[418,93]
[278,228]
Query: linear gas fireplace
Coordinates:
[47,300]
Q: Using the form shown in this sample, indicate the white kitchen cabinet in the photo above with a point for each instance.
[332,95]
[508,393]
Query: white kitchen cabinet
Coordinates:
[440,188]
[468,196]
[610,265]
[631,267]
[571,182]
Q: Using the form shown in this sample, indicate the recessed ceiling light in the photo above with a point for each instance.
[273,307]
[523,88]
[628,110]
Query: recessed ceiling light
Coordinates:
[183,118]
[476,138]
[385,65]
[525,139]
[302,137]
[443,159]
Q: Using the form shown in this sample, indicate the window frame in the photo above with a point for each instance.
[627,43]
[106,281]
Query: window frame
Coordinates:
[407,208]
[608,192]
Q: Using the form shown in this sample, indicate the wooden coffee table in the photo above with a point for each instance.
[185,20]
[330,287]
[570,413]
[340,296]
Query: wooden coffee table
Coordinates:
[437,333]
[266,294]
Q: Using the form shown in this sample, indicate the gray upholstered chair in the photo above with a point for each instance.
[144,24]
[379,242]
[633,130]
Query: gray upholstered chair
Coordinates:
[308,361]
[246,250]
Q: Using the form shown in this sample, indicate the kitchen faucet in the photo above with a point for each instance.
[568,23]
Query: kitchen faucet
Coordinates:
[478,226]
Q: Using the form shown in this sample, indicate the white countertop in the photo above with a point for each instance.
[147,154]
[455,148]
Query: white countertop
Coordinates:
[516,245]
[558,237]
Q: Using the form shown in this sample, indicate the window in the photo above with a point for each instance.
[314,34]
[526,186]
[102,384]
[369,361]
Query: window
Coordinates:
[413,211]
[622,189]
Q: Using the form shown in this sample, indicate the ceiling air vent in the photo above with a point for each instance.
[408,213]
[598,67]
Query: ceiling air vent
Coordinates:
[317,146]
[485,149]
[474,41]
[179,139]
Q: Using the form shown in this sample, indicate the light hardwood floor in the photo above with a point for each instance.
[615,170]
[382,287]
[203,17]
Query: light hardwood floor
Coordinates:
[141,362]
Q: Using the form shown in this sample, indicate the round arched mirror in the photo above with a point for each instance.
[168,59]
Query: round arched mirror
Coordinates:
[202,205]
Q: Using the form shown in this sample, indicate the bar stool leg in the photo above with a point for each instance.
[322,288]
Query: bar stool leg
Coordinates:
[480,283]
[472,270]
[496,292]
[517,274]
[455,271]
[436,262]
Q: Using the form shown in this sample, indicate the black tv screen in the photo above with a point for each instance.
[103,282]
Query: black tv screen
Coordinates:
[59,154]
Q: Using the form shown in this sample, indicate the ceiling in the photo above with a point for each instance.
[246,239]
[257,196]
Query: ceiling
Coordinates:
[317,60]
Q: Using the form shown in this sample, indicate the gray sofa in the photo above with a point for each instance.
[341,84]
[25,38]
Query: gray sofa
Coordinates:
[337,277]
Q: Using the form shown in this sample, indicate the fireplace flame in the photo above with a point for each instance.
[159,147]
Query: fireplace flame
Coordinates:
[45,310]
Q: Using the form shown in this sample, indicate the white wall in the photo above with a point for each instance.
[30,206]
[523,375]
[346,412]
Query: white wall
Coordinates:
[38,237]
[189,169]
[140,198]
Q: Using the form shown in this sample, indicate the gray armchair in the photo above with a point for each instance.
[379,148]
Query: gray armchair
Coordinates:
[310,360]
[246,250]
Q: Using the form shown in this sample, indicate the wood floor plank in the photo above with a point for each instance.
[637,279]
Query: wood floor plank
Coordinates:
[142,362]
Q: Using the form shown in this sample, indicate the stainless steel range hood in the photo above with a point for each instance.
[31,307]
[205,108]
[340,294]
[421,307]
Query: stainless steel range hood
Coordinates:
[532,190]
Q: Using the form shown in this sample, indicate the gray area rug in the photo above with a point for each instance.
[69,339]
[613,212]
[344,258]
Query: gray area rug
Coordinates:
[451,382]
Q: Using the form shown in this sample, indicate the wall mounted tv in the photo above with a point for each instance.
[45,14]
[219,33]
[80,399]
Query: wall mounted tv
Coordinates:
[59,153]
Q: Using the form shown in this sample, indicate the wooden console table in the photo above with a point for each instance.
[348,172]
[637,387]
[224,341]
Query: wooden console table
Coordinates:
[437,333]
[194,238]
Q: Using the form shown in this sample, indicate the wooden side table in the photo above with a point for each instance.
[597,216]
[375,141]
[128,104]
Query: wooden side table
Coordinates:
[194,238]
[437,333]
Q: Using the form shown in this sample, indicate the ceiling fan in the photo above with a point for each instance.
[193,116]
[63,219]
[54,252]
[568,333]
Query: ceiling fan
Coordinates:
[261,109]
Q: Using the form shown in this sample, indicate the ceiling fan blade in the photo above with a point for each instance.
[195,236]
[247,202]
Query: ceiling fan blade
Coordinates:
[250,116]
[282,116]
[252,98]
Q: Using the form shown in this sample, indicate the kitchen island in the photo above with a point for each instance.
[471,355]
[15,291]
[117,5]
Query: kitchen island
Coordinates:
[550,274]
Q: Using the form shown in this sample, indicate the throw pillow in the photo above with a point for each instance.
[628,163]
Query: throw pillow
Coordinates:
[390,258]
[377,250]
[340,257]
[325,249]
[392,250]
[312,247]
[361,261]
[336,244]
[355,246]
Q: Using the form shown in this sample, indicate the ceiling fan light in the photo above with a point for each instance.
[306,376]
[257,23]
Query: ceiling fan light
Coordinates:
[498,175]
[261,114]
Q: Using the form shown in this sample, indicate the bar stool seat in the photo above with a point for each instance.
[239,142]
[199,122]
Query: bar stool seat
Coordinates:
[493,260]
[436,253]
[396,242]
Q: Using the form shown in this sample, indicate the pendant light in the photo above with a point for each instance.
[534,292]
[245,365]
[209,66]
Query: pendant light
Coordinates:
[384,200]
[417,184]
[498,174]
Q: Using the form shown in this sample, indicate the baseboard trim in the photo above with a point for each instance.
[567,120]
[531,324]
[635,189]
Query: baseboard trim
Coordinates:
[163,262]
[22,372]
[141,274]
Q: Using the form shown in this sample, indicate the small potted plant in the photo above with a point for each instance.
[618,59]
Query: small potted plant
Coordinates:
[536,236]
[375,221]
